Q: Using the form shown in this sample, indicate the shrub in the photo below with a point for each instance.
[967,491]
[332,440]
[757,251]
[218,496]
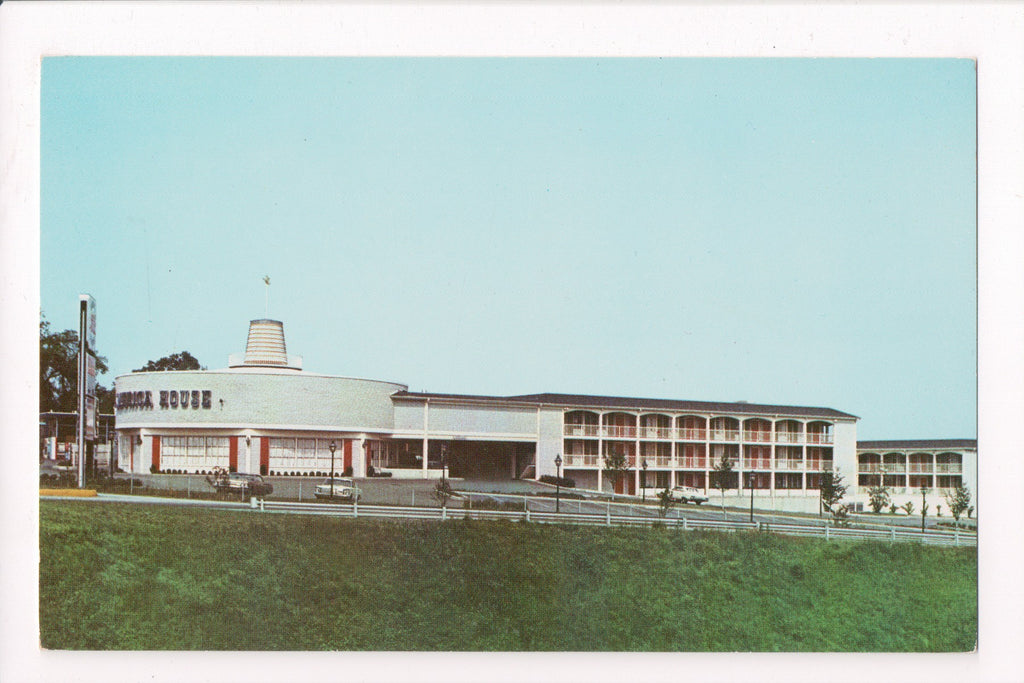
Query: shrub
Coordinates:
[347,472]
[153,469]
[908,507]
[558,481]
[892,508]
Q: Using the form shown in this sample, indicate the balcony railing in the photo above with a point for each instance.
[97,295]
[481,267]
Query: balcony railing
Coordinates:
[789,437]
[949,468]
[818,465]
[581,430]
[656,432]
[892,468]
[791,465]
[692,463]
[760,437]
[819,437]
[581,460]
[618,432]
[758,464]
[725,435]
[869,468]
[921,468]
[691,434]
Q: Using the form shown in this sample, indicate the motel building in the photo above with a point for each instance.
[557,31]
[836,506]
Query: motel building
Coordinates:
[265,414]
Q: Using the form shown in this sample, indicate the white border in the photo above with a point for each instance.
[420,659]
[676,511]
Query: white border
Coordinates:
[989,33]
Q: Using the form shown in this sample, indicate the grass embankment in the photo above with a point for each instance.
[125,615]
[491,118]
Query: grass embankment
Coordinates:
[137,577]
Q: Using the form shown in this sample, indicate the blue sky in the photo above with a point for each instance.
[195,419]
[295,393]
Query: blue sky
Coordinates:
[780,231]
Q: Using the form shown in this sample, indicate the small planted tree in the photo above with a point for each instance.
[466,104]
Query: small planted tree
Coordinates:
[878,498]
[832,490]
[924,505]
[908,507]
[615,466]
[959,502]
[442,492]
[721,472]
[665,502]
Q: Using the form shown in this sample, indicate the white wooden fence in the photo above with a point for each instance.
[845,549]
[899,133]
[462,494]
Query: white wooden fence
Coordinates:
[892,534]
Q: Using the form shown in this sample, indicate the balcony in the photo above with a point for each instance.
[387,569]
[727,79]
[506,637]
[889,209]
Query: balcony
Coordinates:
[819,437]
[819,465]
[757,464]
[894,468]
[921,468]
[789,465]
[660,461]
[757,437]
[691,434]
[692,463]
[870,468]
[618,432]
[581,460]
[581,430]
[789,437]
[656,432]
[725,435]
[949,468]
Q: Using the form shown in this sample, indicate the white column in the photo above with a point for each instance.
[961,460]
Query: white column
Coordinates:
[426,440]
[636,455]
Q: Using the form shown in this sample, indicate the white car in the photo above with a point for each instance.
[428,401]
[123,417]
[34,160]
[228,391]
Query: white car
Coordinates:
[685,494]
[344,489]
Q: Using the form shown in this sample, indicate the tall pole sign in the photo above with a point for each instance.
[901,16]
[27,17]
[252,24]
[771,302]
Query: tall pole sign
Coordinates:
[86,378]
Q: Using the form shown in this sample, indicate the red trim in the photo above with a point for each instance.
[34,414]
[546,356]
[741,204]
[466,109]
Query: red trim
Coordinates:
[156,453]
[264,455]
[348,453]
[233,454]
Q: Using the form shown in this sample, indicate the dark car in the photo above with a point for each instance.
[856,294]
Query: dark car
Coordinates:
[236,482]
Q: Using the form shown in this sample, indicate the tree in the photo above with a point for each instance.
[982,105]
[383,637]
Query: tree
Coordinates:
[443,491]
[615,465]
[924,505]
[878,497]
[721,473]
[832,489]
[58,370]
[959,501]
[176,361]
[665,502]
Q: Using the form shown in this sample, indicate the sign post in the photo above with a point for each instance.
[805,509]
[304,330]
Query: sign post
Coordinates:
[86,379]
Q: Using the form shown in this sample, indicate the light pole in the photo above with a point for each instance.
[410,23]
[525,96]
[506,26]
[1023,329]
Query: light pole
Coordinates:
[643,479]
[750,485]
[558,482]
[444,463]
[332,447]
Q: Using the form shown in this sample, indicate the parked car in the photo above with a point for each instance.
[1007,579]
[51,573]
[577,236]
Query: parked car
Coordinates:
[236,482]
[686,494]
[344,489]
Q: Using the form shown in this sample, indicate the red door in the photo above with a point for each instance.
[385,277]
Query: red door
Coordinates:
[264,455]
[156,453]
[233,454]
[348,454]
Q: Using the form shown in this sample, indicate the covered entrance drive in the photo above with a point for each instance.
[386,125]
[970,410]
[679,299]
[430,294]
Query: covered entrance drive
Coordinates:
[464,458]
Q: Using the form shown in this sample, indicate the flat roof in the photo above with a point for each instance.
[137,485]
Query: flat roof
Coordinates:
[625,403]
[905,444]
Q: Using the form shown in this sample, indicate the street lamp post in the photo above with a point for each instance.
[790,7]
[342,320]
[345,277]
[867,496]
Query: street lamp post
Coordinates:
[643,479]
[332,447]
[750,485]
[558,482]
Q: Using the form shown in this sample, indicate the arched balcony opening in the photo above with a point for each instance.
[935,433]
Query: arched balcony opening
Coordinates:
[789,431]
[656,454]
[819,432]
[581,453]
[624,448]
[819,459]
[655,426]
[725,429]
[921,463]
[691,456]
[691,428]
[789,458]
[619,426]
[757,457]
[869,463]
[894,463]
[581,423]
[949,463]
[757,430]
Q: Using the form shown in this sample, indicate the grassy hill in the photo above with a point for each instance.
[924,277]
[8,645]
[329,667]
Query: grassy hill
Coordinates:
[147,577]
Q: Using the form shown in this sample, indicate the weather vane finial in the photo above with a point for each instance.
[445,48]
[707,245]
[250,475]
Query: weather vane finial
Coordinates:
[266,304]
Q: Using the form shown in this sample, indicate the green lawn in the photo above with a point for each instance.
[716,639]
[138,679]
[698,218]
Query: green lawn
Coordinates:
[156,577]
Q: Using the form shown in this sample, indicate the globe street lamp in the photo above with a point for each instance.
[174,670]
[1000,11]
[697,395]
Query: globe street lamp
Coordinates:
[332,447]
[558,481]
[750,485]
[643,479]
